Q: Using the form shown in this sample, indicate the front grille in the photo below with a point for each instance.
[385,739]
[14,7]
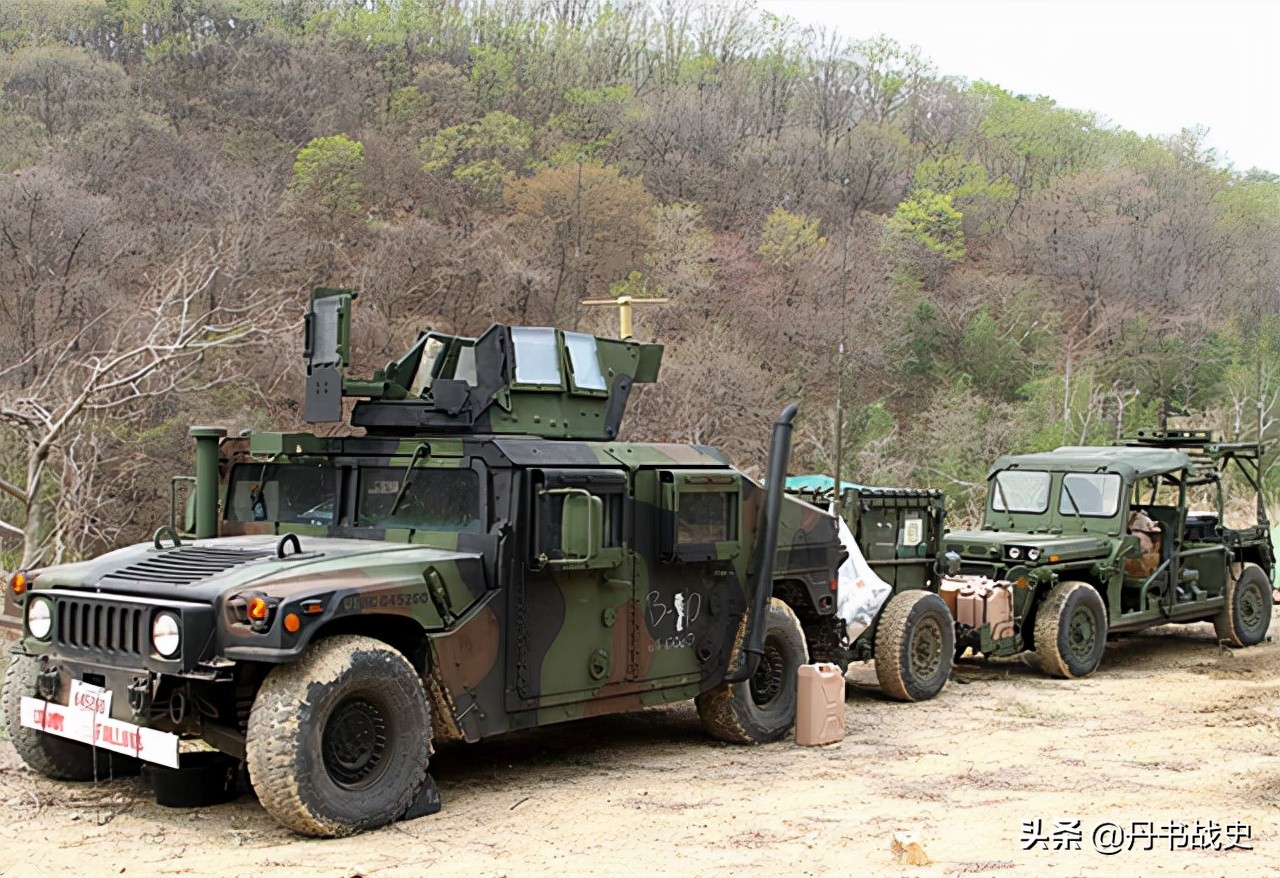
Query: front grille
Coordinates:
[185,565]
[102,627]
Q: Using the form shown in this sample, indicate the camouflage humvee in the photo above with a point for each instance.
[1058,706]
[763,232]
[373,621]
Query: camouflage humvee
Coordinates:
[486,558]
[1088,541]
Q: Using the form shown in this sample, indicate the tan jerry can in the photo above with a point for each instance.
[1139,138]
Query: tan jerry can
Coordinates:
[819,704]
[999,611]
[970,607]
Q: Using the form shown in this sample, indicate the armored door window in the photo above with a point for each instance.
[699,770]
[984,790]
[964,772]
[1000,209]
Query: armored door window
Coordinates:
[701,515]
[550,492]
[707,518]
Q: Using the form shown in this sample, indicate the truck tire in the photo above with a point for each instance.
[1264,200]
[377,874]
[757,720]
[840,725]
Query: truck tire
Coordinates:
[915,646]
[763,708]
[1246,614]
[338,742]
[1071,630]
[52,756]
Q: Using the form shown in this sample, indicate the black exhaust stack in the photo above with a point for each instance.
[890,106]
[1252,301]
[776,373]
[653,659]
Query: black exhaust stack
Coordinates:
[775,487]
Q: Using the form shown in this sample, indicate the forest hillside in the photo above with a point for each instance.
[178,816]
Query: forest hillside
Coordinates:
[1005,274]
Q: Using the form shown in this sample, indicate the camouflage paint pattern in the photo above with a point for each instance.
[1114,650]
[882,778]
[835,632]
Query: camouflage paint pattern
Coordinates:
[508,629]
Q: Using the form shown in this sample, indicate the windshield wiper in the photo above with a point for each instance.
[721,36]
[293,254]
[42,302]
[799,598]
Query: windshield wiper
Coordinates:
[1074,505]
[424,448]
[1004,501]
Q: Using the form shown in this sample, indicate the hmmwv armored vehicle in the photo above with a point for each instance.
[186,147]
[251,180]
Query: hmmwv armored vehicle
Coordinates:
[487,557]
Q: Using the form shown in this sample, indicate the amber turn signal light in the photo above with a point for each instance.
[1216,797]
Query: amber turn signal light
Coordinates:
[18,583]
[257,610]
[292,623]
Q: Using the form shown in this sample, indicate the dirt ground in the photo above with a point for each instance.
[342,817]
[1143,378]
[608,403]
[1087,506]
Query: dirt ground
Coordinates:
[1173,730]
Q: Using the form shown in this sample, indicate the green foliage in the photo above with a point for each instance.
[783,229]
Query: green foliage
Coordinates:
[479,155]
[1032,140]
[788,238]
[636,286]
[588,124]
[327,178]
[930,219]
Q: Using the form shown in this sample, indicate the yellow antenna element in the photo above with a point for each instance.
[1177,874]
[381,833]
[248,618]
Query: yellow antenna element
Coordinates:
[623,304]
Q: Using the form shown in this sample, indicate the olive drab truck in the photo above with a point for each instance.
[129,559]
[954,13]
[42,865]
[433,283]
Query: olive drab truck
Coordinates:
[1082,542]
[487,556]
[902,624]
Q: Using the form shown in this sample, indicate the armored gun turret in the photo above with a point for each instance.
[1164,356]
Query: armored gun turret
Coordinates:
[528,380]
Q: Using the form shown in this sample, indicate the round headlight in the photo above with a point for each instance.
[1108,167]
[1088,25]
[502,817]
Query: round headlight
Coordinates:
[1033,554]
[40,618]
[1015,552]
[166,634]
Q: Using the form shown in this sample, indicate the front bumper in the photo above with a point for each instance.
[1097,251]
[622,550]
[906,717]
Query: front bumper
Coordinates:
[97,729]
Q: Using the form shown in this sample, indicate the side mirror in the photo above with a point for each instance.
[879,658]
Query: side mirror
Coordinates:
[581,534]
[581,527]
[947,564]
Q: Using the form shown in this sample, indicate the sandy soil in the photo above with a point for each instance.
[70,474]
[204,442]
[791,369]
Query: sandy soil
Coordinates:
[1172,729]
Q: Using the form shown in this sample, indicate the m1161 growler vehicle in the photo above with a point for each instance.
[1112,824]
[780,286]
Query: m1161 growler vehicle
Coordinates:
[1085,541]
[486,558]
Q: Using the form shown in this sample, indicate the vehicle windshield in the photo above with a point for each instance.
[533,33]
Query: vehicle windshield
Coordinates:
[1096,495]
[428,499]
[431,499]
[292,493]
[1020,491]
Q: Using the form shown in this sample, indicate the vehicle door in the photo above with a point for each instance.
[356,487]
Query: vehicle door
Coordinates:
[573,612]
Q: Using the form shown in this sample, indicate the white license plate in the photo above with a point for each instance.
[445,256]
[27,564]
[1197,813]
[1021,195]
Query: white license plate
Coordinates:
[90,727]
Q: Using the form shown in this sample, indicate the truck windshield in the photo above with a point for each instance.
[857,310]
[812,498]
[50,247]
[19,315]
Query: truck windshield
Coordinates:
[432,499]
[1096,495]
[294,493]
[1020,491]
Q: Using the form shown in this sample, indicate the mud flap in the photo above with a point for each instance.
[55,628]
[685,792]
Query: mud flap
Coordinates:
[427,801]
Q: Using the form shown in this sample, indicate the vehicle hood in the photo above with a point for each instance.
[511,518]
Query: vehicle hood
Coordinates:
[202,570]
[987,544]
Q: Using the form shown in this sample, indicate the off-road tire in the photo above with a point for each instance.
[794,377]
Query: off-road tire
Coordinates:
[52,756]
[338,741]
[915,646]
[1246,614]
[763,708]
[1071,630]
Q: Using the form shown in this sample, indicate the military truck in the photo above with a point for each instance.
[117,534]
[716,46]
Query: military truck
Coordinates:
[1082,542]
[486,557]
[911,635]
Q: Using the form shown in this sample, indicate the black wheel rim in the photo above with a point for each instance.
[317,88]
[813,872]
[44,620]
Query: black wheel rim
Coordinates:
[770,677]
[355,743]
[1249,605]
[1082,633]
[925,650]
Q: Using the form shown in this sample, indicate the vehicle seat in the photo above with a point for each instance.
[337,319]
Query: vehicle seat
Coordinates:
[1167,518]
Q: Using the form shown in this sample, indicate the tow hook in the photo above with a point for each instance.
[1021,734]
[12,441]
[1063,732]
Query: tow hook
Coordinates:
[47,683]
[140,696]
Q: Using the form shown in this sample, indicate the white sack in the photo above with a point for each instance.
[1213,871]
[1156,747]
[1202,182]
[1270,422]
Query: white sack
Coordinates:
[859,591]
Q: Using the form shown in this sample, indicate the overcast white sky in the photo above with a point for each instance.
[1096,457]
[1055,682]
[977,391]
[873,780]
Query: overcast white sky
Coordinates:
[1151,67]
